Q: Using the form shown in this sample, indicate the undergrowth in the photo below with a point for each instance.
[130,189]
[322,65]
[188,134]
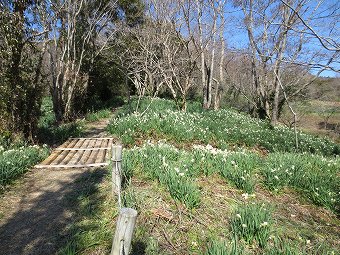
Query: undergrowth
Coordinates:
[163,181]
[222,128]
[252,222]
[97,115]
[51,133]
[315,177]
[17,160]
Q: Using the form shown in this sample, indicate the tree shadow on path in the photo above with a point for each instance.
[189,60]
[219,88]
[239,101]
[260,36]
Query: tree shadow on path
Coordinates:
[39,224]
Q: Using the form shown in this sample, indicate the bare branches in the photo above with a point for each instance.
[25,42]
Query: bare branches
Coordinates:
[77,24]
[328,43]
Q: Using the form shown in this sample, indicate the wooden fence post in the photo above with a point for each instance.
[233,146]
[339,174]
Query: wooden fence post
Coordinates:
[124,230]
[117,171]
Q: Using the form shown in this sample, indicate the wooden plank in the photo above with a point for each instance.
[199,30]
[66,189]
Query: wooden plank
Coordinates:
[108,154]
[93,138]
[80,149]
[54,154]
[63,154]
[76,165]
[110,143]
[84,157]
[92,157]
[92,144]
[71,154]
[101,154]
[79,152]
[76,156]
[106,151]
[85,147]
[66,143]
[50,158]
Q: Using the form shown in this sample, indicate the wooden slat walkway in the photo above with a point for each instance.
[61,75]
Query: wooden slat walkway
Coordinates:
[79,152]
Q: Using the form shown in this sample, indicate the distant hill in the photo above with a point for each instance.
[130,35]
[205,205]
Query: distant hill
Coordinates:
[325,89]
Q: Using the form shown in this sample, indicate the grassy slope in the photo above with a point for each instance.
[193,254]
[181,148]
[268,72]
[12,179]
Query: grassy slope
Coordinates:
[199,199]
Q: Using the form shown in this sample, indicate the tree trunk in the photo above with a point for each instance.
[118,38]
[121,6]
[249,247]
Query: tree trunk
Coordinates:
[217,97]
[15,80]
[211,76]
[201,48]
[275,109]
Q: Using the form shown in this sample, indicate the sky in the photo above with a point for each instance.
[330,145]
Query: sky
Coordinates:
[237,36]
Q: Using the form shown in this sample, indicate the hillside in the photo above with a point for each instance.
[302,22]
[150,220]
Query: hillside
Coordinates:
[219,182]
[202,181]
[229,127]
[318,109]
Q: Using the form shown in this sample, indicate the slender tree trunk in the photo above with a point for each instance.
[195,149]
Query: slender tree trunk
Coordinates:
[211,76]
[217,90]
[201,47]
[281,45]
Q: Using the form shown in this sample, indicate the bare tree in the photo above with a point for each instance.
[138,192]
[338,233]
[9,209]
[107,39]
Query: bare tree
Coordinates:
[220,81]
[279,46]
[162,57]
[76,26]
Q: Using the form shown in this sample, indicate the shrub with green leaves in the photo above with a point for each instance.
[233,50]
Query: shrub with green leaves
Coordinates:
[252,222]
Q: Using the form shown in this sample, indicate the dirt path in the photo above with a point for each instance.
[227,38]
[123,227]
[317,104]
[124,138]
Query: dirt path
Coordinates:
[36,213]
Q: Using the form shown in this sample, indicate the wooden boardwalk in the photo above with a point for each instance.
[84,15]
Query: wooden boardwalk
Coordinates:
[79,152]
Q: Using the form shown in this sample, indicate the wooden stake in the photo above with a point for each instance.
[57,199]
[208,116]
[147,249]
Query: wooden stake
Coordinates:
[124,230]
[116,171]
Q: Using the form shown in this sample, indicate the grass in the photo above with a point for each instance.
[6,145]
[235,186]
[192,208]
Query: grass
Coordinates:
[165,226]
[177,170]
[213,183]
[16,161]
[220,128]
[309,171]
[93,222]
[316,177]
[158,164]
[97,115]
[51,133]
[252,222]
[249,155]
[219,247]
